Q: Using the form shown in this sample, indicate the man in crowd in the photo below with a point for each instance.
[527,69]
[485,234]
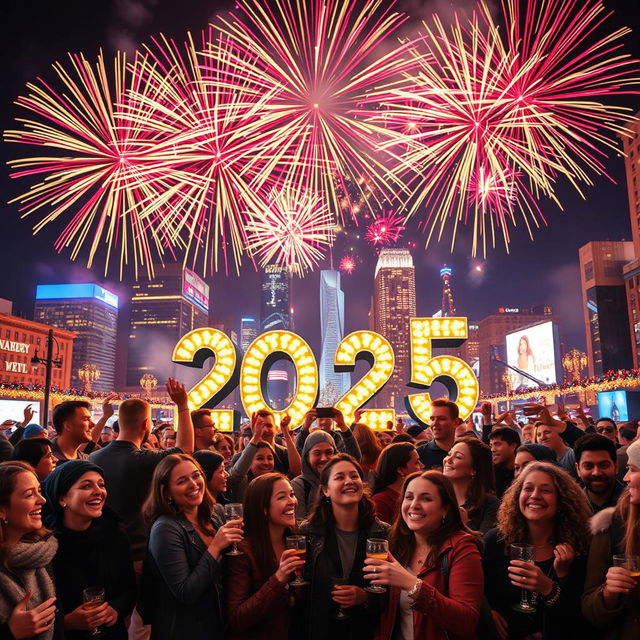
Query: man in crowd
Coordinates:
[343,437]
[503,442]
[444,418]
[550,437]
[287,458]
[607,427]
[204,429]
[168,437]
[596,468]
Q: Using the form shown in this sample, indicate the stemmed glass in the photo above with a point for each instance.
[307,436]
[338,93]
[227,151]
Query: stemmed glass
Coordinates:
[338,581]
[233,511]
[525,553]
[93,597]
[299,543]
[377,548]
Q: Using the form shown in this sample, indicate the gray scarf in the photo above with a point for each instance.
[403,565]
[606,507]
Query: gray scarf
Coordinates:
[28,562]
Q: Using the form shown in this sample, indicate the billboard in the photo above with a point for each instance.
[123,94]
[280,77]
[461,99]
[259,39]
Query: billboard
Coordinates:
[195,289]
[14,410]
[534,351]
[76,291]
[613,404]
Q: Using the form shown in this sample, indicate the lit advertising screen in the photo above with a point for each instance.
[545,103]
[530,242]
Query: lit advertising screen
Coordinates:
[534,351]
[613,404]
[195,289]
[14,410]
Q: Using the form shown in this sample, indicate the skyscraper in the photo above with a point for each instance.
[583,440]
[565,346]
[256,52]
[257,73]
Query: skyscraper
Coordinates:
[393,304]
[275,305]
[448,308]
[91,312]
[604,303]
[248,332]
[175,302]
[332,332]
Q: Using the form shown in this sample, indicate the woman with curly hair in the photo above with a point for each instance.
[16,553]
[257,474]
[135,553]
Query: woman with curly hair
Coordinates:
[611,599]
[544,508]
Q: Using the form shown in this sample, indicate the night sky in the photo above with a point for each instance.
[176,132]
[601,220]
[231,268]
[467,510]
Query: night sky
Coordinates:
[35,33]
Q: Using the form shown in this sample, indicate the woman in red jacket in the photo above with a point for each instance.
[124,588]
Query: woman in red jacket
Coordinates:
[257,590]
[434,569]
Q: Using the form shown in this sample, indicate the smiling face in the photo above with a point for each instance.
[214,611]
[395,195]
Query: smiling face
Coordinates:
[205,432]
[384,438]
[282,506]
[523,458]
[421,507]
[539,498]
[218,482]
[443,426]
[79,425]
[262,462]
[85,499]
[186,486]
[225,449]
[549,437]
[597,471]
[502,453]
[632,477]
[319,455]
[46,465]
[458,464]
[344,486]
[413,464]
[24,511]
[268,426]
[168,438]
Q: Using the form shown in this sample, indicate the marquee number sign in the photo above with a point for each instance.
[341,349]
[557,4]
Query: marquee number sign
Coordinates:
[227,371]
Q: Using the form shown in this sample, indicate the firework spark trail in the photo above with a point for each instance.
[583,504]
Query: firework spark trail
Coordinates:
[94,177]
[385,230]
[321,56]
[291,229]
[347,264]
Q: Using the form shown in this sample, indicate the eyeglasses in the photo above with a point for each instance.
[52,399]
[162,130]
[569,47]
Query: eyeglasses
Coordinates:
[605,430]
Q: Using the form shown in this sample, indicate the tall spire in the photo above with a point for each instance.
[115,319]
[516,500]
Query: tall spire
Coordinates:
[448,306]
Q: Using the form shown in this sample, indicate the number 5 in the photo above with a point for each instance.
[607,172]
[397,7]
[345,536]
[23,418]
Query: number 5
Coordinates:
[455,374]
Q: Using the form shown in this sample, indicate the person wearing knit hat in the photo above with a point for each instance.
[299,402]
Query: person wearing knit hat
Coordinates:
[531,452]
[93,550]
[316,452]
[37,452]
[33,430]
[216,476]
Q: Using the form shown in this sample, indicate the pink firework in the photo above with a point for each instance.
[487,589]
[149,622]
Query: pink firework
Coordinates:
[347,264]
[385,230]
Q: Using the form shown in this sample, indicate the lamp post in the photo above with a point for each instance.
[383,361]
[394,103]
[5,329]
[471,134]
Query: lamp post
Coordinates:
[49,362]
[88,373]
[148,382]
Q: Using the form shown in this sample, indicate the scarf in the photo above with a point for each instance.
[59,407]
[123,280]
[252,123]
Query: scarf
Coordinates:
[28,562]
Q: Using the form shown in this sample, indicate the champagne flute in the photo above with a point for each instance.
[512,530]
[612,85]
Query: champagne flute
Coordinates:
[233,511]
[299,543]
[525,553]
[630,563]
[338,581]
[377,548]
[93,597]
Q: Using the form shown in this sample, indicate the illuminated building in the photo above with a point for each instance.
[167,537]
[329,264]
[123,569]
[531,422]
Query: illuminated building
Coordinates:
[631,271]
[248,332]
[448,308]
[393,304]
[491,336]
[91,312]
[175,302]
[19,340]
[332,332]
[604,303]
[470,350]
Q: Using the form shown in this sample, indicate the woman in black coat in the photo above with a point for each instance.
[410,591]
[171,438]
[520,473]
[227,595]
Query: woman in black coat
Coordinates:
[93,551]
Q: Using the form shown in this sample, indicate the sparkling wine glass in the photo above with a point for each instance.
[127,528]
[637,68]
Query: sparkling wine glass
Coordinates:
[233,511]
[93,597]
[299,543]
[525,553]
[377,548]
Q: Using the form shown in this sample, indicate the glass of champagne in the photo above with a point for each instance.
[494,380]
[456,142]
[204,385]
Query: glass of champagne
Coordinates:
[93,597]
[299,543]
[233,511]
[525,553]
[630,563]
[336,583]
[377,548]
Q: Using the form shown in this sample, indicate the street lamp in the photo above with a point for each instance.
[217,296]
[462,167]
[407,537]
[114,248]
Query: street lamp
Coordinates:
[88,373]
[148,382]
[48,362]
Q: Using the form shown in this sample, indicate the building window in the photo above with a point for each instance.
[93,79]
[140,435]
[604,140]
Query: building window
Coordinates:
[630,285]
[588,270]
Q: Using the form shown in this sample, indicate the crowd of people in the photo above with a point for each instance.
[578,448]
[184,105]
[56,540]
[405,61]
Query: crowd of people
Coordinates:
[320,530]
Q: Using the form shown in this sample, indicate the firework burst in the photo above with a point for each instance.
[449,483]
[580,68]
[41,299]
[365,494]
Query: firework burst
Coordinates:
[93,177]
[385,230]
[347,264]
[292,229]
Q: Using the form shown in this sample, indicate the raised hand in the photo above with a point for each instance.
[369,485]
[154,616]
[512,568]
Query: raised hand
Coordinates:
[28,415]
[107,407]
[177,392]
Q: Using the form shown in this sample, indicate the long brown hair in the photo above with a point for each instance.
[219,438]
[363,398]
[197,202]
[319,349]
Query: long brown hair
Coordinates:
[630,516]
[483,483]
[9,472]
[396,455]
[257,501]
[368,443]
[402,541]
[157,504]
[571,522]
[321,514]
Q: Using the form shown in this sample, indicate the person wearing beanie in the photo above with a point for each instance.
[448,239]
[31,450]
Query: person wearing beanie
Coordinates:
[33,430]
[37,452]
[93,551]
[317,450]
[216,476]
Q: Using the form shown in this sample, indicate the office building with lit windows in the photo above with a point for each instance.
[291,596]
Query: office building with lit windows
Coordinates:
[91,312]
[248,332]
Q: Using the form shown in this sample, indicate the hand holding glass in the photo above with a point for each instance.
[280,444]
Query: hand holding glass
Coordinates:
[233,511]
[299,543]
[377,548]
[524,553]
[93,597]
[630,563]
[336,583]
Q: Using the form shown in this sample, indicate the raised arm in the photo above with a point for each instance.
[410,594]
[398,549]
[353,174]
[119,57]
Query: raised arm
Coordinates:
[184,436]
[295,463]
